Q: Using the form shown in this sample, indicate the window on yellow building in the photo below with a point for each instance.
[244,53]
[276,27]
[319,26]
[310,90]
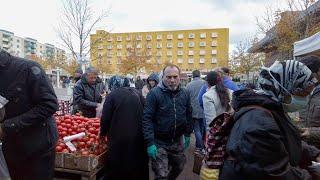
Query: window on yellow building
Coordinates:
[138,37]
[139,46]
[190,60]
[191,35]
[202,61]
[119,46]
[190,53]
[180,36]
[159,45]
[180,53]
[128,38]
[202,52]
[214,35]
[191,44]
[149,38]
[214,60]
[169,53]
[149,46]
[214,52]
[119,61]
[203,35]
[180,44]
[119,38]
[214,43]
[202,44]
[180,60]
[170,36]
[159,37]
[169,45]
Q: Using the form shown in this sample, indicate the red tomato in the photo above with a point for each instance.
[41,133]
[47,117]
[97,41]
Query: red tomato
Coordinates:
[64,133]
[59,149]
[65,151]
[67,121]
[85,153]
[81,144]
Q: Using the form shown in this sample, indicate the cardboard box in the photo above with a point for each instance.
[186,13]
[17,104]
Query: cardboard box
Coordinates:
[83,163]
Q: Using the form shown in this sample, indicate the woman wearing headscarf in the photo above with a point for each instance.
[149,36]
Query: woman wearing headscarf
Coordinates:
[264,143]
[121,124]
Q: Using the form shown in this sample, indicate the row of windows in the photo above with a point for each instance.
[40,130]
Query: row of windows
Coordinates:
[179,61]
[169,53]
[160,36]
[159,45]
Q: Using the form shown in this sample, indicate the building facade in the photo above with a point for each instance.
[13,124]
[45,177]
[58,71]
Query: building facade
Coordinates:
[203,49]
[26,47]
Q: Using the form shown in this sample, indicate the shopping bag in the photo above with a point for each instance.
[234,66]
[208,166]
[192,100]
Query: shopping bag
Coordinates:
[4,173]
[209,174]
[100,108]
[197,162]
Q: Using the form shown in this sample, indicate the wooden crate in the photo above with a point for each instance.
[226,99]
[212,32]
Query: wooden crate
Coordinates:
[59,161]
[83,163]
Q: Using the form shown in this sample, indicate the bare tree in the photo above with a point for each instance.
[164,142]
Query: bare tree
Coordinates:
[77,22]
[137,58]
[244,62]
[288,25]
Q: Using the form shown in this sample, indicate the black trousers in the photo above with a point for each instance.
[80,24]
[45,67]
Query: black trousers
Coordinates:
[40,167]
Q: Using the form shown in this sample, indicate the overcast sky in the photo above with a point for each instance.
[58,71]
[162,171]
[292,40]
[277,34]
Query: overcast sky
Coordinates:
[37,18]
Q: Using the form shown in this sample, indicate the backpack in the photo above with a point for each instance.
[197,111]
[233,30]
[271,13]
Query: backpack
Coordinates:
[220,129]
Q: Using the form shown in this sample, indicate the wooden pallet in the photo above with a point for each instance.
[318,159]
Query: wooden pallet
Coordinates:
[76,174]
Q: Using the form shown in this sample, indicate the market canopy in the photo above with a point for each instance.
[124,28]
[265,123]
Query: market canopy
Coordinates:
[310,45]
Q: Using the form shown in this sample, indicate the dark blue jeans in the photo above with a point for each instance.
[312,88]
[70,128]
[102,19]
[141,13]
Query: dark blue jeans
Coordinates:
[199,132]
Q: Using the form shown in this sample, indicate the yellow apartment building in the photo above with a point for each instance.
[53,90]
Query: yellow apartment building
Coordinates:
[203,49]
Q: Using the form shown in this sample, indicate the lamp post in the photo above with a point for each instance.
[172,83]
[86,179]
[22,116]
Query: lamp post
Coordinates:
[58,77]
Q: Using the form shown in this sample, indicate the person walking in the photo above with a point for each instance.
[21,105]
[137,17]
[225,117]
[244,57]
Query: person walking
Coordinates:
[139,83]
[264,143]
[87,93]
[152,82]
[217,98]
[28,131]
[199,124]
[167,125]
[121,122]
[227,82]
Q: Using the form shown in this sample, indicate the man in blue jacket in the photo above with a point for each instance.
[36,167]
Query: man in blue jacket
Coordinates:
[166,120]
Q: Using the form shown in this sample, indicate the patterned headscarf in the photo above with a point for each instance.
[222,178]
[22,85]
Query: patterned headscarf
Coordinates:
[284,78]
[118,82]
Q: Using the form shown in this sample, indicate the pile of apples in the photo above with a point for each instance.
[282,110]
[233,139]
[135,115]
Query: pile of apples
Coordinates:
[90,144]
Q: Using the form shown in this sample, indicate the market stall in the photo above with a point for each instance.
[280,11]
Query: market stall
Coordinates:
[308,46]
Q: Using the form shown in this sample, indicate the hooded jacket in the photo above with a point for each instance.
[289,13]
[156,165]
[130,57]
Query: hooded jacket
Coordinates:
[261,145]
[88,96]
[146,88]
[167,116]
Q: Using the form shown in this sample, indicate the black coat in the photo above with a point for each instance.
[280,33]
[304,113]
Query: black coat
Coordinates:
[263,146]
[29,127]
[121,122]
[86,96]
[167,116]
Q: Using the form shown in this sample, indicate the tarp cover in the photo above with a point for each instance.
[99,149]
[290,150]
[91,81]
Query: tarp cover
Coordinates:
[309,45]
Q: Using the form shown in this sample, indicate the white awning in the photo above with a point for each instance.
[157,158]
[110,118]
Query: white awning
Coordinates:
[309,45]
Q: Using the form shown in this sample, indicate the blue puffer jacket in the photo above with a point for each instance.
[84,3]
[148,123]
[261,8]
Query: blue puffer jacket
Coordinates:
[167,116]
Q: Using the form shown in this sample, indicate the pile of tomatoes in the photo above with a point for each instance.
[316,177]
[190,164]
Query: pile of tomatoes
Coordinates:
[90,144]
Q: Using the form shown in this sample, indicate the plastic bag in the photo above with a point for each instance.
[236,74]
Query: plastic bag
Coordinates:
[100,108]
[4,172]
[209,174]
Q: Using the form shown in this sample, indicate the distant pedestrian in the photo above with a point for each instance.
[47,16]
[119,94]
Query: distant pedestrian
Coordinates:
[152,82]
[193,89]
[139,83]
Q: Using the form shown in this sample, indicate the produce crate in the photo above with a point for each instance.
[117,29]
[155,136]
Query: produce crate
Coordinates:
[83,163]
[59,161]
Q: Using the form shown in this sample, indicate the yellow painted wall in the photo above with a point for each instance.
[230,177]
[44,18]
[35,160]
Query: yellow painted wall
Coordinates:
[99,44]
